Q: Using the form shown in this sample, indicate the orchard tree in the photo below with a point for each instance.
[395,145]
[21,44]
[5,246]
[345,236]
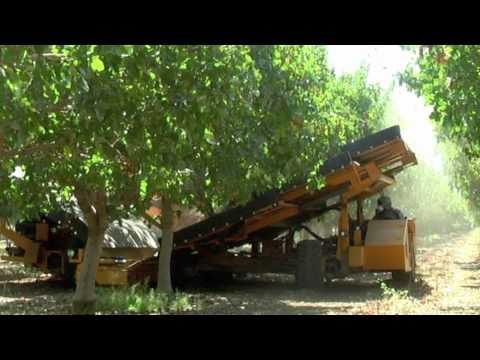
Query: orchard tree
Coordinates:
[319,111]
[207,125]
[447,76]
[73,118]
[257,119]
[114,126]
[439,200]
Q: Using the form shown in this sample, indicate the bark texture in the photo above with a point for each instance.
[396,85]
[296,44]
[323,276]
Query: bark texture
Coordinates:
[164,282]
[94,208]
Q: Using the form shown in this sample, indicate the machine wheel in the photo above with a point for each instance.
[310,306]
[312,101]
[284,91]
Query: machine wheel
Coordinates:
[182,270]
[403,278]
[309,272]
[240,276]
[69,281]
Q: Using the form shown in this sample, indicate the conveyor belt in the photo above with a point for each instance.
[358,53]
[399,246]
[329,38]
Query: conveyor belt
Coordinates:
[220,224]
[368,143]
[228,217]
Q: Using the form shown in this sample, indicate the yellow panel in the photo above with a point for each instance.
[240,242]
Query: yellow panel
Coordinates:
[31,248]
[357,237]
[355,256]
[31,253]
[111,277]
[41,232]
[385,258]
[386,232]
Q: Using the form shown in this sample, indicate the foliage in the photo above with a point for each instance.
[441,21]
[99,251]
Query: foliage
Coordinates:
[426,193]
[465,175]
[447,76]
[82,117]
[140,299]
[392,293]
[355,109]
[115,125]
[99,110]
[393,302]
[201,125]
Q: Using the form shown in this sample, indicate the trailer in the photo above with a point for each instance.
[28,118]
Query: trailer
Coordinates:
[267,226]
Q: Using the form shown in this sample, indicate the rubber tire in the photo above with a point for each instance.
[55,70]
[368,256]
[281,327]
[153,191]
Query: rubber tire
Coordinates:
[240,276]
[69,281]
[309,272]
[406,279]
[402,278]
[179,273]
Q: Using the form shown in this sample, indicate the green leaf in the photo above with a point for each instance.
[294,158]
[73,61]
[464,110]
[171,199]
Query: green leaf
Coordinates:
[97,64]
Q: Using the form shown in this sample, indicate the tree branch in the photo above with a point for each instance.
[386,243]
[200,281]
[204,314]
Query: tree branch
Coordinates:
[84,203]
[48,56]
[101,207]
[28,150]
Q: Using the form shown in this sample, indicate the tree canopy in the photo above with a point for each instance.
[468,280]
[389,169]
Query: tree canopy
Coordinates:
[93,112]
[199,125]
[447,76]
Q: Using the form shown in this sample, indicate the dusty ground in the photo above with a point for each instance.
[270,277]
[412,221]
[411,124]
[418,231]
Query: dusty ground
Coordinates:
[449,283]
[25,291]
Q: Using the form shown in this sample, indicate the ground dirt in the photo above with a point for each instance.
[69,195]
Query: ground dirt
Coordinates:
[448,283]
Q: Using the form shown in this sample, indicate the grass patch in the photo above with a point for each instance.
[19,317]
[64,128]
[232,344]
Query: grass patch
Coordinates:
[141,299]
[5,289]
[393,294]
[394,302]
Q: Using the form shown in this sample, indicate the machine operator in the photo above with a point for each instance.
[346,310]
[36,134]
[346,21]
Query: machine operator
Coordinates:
[385,210]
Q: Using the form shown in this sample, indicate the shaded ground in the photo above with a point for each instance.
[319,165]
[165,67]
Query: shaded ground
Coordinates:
[24,291]
[449,283]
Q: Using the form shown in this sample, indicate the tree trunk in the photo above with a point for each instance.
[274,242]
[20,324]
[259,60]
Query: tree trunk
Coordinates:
[84,298]
[164,281]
